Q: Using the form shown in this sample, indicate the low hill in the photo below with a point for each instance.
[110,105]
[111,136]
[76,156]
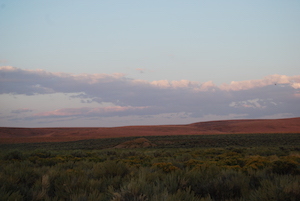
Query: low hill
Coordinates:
[136,143]
[27,135]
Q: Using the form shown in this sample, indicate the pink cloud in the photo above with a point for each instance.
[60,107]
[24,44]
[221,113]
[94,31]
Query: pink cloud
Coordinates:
[8,68]
[293,81]
[161,83]
[83,77]
[255,98]
[63,112]
[183,84]
[207,85]
[296,85]
[86,111]
[92,79]
[268,80]
[175,84]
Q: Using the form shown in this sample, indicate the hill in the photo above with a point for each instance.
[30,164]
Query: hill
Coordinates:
[28,135]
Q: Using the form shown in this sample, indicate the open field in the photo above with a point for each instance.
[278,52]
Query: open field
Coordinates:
[232,167]
[291,140]
[30,135]
[211,161]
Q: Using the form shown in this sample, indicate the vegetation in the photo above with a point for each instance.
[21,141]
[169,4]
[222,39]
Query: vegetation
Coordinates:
[204,168]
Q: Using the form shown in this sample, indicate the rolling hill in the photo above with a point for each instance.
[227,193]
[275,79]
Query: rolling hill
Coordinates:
[28,135]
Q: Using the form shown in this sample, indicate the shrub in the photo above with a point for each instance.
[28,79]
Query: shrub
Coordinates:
[14,155]
[285,187]
[180,195]
[79,154]
[154,174]
[256,162]
[229,184]
[110,169]
[42,154]
[285,167]
[166,167]
[10,196]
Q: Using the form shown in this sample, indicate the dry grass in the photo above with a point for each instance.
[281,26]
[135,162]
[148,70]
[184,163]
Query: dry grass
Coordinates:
[26,135]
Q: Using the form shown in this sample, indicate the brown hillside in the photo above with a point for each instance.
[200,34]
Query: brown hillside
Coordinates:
[25,135]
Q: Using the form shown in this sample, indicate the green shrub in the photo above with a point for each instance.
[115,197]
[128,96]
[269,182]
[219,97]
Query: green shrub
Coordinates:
[284,187]
[154,174]
[10,195]
[228,185]
[256,162]
[110,169]
[79,154]
[180,195]
[285,167]
[42,154]
[166,167]
[14,155]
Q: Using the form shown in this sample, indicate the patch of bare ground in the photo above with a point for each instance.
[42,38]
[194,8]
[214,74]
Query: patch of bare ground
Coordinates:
[29,135]
[136,143]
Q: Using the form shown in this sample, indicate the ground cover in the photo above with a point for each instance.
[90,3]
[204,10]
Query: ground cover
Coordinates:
[206,167]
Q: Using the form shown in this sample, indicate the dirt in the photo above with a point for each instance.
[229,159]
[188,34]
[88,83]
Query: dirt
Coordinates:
[29,135]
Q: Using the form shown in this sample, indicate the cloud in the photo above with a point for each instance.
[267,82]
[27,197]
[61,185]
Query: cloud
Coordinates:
[87,111]
[21,110]
[293,81]
[254,103]
[271,95]
[296,85]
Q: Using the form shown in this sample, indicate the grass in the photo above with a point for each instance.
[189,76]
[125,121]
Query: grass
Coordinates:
[180,141]
[207,167]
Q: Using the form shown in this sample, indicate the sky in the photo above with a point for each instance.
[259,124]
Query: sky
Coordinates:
[111,63]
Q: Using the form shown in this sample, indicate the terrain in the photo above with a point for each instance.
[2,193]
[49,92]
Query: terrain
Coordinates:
[10,135]
[208,161]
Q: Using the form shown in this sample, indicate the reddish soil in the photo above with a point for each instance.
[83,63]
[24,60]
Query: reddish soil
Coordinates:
[28,135]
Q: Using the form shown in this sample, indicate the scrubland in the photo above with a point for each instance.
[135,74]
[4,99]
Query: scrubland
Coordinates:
[207,167]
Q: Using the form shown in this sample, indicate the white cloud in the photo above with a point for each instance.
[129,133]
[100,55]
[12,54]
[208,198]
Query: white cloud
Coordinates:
[266,81]
[296,85]
[161,83]
[207,86]
[271,95]
[254,103]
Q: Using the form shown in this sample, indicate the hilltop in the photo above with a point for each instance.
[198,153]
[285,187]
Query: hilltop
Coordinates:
[28,135]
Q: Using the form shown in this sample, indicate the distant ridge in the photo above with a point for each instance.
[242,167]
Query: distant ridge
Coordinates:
[288,125]
[28,135]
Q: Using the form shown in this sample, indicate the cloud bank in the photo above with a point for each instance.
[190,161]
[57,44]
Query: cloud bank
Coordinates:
[270,96]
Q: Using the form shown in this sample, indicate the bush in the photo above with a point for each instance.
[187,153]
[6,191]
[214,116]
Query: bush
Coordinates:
[285,167]
[152,174]
[229,184]
[14,155]
[42,154]
[110,169]
[278,188]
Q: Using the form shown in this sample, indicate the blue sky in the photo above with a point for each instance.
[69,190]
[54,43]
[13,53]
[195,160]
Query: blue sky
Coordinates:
[192,49]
